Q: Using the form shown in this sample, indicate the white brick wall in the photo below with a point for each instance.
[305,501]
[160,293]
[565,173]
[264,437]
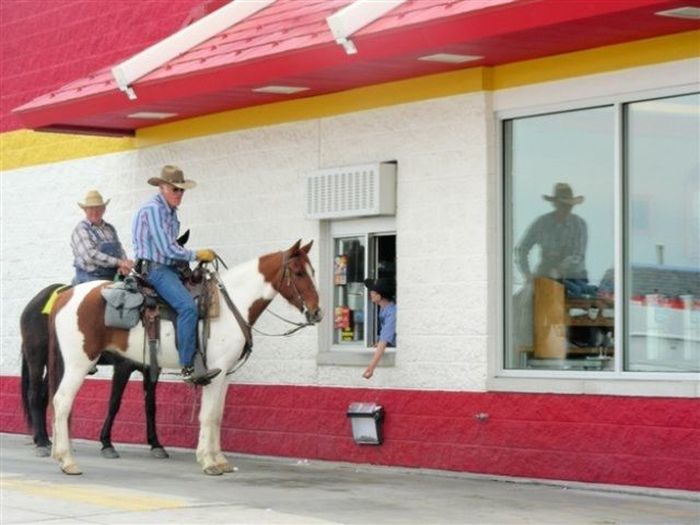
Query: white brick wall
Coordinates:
[250,201]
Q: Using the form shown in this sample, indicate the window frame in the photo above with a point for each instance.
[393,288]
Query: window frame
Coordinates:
[618,380]
[337,354]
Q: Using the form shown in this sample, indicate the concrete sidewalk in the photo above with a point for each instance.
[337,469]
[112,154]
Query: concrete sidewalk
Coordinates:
[139,489]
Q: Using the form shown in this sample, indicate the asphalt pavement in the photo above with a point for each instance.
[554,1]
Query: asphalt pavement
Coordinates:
[137,488]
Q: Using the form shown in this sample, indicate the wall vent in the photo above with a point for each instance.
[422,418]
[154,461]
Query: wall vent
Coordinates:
[352,191]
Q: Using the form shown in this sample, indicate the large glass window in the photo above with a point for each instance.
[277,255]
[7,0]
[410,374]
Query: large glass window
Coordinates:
[356,258]
[663,231]
[561,174]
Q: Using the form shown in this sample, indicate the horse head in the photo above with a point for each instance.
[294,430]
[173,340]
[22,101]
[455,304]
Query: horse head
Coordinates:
[296,281]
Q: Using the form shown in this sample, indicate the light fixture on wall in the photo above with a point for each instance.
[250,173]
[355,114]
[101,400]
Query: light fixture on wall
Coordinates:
[366,420]
[354,17]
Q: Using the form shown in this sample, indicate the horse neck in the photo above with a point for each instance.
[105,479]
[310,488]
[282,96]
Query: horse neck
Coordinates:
[249,288]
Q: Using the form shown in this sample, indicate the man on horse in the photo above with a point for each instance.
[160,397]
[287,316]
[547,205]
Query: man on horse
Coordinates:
[154,231]
[97,252]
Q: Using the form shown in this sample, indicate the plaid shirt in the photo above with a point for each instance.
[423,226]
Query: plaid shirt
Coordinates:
[85,242]
[154,233]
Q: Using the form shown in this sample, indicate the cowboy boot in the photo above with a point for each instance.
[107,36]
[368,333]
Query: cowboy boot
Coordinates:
[199,374]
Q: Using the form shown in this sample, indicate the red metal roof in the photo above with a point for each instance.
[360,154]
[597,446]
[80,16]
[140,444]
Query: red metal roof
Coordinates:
[289,43]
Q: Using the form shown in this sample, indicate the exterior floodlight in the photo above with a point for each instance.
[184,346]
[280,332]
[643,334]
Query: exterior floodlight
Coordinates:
[355,16]
[203,29]
[366,420]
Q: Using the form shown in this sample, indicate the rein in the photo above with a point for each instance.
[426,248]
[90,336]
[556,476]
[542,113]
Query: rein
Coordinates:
[246,327]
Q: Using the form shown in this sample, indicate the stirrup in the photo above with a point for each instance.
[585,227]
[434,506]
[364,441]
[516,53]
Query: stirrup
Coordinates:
[199,374]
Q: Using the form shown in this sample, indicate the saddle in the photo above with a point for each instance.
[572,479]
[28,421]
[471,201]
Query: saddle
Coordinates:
[132,301]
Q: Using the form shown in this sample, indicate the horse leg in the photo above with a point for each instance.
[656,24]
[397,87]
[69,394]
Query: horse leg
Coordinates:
[62,404]
[208,414]
[149,392]
[35,387]
[120,378]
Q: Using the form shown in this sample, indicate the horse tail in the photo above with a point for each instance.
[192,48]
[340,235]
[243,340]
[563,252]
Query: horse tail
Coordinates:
[25,392]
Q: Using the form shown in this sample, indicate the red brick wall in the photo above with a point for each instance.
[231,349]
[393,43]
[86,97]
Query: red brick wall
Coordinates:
[48,43]
[651,442]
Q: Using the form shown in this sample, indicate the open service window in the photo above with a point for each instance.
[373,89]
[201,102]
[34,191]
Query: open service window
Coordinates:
[358,249]
[602,238]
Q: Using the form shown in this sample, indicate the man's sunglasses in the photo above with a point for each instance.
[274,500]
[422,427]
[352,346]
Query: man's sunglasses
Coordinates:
[177,190]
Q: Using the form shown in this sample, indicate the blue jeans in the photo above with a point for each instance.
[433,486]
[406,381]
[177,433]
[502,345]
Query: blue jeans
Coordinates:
[81,276]
[166,282]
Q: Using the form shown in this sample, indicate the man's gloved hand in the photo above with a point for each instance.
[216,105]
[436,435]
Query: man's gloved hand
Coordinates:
[205,255]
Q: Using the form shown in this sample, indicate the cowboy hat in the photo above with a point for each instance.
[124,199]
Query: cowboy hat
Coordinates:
[93,199]
[563,193]
[172,175]
[383,287]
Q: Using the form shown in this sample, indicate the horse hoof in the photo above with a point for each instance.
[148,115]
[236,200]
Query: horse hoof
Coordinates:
[226,469]
[72,470]
[213,471]
[42,452]
[109,453]
[159,453]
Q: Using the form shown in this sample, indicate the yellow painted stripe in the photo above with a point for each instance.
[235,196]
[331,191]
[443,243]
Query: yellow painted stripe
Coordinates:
[370,97]
[101,496]
[26,148]
[30,148]
[680,46]
[598,60]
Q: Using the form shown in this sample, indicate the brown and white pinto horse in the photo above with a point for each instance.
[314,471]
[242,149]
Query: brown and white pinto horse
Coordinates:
[78,321]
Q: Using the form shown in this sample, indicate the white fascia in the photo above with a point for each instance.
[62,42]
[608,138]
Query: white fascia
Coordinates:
[151,58]
[355,16]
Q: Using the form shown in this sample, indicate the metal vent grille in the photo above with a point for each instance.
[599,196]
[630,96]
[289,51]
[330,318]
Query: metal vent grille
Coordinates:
[351,191]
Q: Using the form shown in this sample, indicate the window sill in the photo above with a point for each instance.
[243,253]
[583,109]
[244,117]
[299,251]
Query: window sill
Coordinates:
[596,386]
[354,357]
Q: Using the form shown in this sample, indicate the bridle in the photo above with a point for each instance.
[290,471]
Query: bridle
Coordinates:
[291,283]
[245,326]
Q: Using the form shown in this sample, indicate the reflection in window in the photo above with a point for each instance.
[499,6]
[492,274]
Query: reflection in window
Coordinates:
[663,270]
[560,179]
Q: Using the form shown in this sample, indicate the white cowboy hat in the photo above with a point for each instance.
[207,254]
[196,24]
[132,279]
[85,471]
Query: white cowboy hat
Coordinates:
[93,199]
[563,193]
[174,176]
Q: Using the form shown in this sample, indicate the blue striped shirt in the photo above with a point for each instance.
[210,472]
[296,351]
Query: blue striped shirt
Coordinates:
[154,233]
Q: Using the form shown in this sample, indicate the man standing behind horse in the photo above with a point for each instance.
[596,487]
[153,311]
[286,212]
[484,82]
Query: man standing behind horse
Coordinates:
[97,252]
[154,232]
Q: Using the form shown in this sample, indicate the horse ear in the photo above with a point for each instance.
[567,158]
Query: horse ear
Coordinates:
[295,248]
[306,248]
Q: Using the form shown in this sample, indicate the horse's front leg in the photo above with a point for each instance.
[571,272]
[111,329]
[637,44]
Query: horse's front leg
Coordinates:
[209,426]
[62,404]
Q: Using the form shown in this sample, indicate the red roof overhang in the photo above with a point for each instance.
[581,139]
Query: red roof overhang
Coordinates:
[289,43]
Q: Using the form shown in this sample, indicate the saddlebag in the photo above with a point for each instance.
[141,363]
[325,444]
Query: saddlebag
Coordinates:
[123,308]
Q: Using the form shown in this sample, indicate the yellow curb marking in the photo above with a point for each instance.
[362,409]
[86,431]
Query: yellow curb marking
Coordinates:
[102,496]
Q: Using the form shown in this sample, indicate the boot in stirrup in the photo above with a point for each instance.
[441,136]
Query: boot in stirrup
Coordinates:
[199,374]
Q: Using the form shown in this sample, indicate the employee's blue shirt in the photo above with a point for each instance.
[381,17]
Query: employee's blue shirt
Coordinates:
[387,324]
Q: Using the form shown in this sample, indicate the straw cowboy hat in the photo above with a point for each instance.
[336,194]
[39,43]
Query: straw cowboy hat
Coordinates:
[172,175]
[93,199]
[563,193]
